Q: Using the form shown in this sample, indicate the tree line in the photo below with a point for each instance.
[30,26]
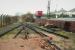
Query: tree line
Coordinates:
[7,20]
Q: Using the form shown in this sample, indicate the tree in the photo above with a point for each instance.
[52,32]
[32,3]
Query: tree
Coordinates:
[28,17]
[73,16]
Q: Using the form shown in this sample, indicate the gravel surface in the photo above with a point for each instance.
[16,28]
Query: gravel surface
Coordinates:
[21,44]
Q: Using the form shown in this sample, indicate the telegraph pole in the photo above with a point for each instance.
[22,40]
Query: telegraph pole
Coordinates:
[48,8]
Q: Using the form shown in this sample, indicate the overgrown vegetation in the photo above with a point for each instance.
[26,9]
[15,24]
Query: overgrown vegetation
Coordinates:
[28,17]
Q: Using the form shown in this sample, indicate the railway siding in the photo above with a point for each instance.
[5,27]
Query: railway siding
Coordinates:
[9,28]
[48,30]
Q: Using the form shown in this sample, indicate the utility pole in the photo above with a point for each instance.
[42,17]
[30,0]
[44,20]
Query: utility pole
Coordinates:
[48,8]
[56,12]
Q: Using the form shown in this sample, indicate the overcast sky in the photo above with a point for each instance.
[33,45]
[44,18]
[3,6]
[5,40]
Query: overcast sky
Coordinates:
[22,6]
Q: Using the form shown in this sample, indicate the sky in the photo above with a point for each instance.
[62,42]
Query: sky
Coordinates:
[13,7]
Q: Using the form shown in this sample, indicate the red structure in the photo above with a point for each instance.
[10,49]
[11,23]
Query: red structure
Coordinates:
[39,14]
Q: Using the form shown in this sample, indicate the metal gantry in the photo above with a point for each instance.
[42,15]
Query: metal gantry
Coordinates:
[48,8]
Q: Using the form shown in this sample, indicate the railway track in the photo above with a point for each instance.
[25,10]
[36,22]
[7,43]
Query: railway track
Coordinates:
[18,33]
[47,30]
[25,27]
[9,28]
[42,34]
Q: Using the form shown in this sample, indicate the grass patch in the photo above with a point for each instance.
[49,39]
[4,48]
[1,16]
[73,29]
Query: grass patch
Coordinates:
[10,34]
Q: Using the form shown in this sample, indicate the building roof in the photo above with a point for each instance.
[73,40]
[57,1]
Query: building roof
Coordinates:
[72,10]
[62,10]
[63,19]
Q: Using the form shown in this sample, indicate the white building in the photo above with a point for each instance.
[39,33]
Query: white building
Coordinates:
[62,11]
